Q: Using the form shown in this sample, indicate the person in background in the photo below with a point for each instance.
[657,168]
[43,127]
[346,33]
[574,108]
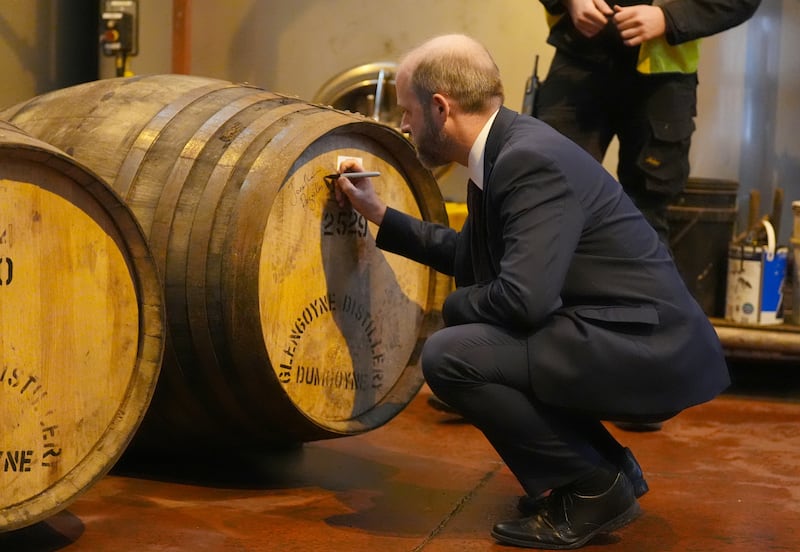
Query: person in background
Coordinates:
[568,309]
[629,69]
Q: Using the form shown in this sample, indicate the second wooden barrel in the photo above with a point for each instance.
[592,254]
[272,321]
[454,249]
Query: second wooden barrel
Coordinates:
[286,323]
[81,328]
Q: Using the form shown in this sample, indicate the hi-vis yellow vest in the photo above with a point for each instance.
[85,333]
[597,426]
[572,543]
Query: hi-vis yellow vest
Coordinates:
[657,55]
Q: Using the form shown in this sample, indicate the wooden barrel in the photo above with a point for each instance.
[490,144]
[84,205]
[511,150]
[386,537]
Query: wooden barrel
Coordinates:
[81,318]
[286,323]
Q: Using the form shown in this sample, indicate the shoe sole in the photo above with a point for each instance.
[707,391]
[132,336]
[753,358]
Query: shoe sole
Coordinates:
[612,525]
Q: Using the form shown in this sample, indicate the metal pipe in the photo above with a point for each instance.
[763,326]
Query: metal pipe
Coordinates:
[760,341]
[182,36]
[376,109]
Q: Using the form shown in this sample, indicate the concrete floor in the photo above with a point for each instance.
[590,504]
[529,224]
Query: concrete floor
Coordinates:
[723,476]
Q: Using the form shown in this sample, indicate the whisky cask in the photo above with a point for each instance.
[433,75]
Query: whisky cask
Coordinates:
[285,323]
[81,328]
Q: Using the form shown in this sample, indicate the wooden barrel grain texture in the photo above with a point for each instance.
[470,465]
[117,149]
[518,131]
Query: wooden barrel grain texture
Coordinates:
[286,323]
[81,328]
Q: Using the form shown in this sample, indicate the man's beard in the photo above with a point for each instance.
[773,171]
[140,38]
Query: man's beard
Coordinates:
[433,145]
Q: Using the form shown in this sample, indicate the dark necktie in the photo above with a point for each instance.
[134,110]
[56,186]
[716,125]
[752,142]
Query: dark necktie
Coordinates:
[481,265]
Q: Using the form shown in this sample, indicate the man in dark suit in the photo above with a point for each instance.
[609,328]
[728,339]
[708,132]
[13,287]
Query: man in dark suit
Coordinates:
[568,308]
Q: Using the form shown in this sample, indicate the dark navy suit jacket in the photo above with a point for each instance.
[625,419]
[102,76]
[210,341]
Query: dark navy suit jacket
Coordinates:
[569,262]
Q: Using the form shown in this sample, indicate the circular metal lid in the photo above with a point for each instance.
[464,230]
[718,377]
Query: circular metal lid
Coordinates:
[367,89]
[370,90]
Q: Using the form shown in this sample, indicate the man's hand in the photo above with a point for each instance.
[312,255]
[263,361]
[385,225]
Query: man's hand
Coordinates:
[637,24]
[589,16]
[358,193]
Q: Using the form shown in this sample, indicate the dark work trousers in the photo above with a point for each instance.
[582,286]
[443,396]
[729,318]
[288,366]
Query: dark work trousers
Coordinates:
[651,115]
[483,372]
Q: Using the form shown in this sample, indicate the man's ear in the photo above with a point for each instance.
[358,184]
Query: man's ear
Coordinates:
[441,105]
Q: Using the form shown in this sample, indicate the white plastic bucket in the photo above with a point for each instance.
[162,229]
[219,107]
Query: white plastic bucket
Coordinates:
[756,274]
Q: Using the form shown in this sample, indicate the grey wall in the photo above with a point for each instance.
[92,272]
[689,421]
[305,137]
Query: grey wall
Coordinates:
[44,45]
[749,102]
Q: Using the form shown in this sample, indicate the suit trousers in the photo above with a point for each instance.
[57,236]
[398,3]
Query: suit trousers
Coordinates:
[483,371]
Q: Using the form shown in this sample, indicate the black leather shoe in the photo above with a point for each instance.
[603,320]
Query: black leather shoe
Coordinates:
[565,519]
[629,466]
